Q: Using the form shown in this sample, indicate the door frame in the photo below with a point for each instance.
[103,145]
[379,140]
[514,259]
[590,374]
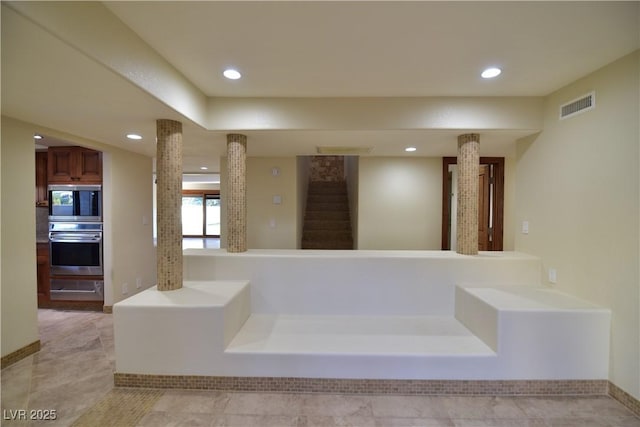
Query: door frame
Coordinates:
[498,200]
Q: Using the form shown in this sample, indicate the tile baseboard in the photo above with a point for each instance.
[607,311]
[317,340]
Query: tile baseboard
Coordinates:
[371,386]
[624,398]
[366,386]
[20,354]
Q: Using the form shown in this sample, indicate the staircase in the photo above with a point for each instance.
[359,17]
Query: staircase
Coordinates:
[327,223]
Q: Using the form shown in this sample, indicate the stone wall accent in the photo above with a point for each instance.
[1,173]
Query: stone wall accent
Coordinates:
[19,354]
[467,218]
[327,168]
[237,193]
[169,202]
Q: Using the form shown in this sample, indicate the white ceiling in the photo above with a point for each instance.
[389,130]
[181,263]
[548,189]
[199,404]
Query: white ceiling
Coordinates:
[312,49]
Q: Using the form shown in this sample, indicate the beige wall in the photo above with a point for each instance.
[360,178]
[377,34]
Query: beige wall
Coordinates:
[400,203]
[18,240]
[269,225]
[128,223]
[577,184]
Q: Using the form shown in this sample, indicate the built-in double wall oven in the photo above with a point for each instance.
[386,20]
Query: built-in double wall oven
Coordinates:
[75,242]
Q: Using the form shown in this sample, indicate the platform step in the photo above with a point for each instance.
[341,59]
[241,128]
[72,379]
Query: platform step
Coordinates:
[357,335]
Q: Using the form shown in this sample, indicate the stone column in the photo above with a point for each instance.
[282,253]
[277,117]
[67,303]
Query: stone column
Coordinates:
[467,218]
[237,193]
[169,195]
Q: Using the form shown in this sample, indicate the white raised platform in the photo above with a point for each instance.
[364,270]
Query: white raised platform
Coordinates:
[351,283]
[361,314]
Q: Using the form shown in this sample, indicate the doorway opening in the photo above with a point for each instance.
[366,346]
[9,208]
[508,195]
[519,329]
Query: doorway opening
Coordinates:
[201,213]
[490,203]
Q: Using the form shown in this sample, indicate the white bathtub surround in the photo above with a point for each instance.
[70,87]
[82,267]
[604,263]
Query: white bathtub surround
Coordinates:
[362,315]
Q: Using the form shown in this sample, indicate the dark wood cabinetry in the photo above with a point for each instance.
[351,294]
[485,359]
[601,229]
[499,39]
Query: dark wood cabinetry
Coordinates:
[42,272]
[74,165]
[42,195]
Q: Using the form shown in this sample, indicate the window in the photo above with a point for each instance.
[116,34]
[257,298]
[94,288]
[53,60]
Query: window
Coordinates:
[200,213]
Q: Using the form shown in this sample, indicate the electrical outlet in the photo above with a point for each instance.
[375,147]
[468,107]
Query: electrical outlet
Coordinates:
[125,288]
[138,283]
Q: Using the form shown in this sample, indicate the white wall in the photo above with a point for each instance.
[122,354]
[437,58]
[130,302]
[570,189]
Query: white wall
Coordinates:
[577,183]
[400,203]
[18,240]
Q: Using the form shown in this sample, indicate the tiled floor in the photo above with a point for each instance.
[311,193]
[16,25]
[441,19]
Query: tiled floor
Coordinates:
[73,374]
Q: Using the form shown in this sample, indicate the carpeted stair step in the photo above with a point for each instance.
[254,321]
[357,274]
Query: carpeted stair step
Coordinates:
[323,224]
[327,215]
[328,206]
[337,244]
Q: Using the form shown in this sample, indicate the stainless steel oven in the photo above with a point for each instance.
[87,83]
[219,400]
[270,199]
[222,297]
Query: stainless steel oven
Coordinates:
[75,248]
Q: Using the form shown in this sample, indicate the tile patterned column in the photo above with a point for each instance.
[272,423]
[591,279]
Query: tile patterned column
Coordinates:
[169,195]
[468,169]
[237,193]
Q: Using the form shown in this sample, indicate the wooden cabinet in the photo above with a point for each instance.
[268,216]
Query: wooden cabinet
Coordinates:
[42,273]
[42,195]
[74,165]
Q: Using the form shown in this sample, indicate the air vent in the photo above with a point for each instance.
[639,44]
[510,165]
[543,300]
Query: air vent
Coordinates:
[584,103]
[343,151]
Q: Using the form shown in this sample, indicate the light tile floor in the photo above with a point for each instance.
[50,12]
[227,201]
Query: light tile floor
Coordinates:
[73,374]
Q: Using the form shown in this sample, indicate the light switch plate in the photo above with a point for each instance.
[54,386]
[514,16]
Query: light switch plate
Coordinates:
[525,227]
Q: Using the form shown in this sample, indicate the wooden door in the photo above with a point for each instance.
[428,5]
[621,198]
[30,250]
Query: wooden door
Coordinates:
[484,182]
[490,208]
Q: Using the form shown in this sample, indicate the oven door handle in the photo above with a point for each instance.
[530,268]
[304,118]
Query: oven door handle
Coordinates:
[74,238]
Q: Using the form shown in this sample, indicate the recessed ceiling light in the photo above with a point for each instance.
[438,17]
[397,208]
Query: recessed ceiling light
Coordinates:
[36,136]
[490,73]
[203,168]
[232,74]
[134,136]
[410,149]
